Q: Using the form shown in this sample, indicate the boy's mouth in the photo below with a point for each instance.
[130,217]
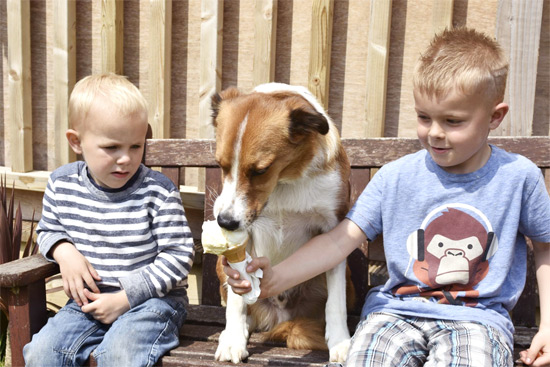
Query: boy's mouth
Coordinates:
[120,174]
[440,150]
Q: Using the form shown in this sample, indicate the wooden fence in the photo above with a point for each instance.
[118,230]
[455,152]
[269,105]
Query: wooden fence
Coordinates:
[355,55]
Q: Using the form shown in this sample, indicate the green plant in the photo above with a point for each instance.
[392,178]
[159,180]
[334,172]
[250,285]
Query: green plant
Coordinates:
[11,231]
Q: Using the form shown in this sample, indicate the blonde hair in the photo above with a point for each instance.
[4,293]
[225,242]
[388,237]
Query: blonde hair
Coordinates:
[117,89]
[464,59]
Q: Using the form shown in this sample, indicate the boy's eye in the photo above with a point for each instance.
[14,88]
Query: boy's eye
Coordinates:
[453,122]
[110,147]
[423,117]
[136,146]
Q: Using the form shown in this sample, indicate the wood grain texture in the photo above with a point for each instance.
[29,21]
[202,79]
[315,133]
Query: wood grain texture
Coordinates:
[19,72]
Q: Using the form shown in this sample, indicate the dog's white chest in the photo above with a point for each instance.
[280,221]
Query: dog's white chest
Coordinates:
[278,236]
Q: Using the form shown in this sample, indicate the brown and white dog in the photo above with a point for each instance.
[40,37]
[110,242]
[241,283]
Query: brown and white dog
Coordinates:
[285,180]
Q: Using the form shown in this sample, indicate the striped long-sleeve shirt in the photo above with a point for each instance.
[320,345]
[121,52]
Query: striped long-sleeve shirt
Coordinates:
[136,237]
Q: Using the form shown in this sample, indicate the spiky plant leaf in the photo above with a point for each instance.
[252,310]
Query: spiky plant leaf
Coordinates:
[30,248]
[5,238]
[3,304]
[10,211]
[17,233]
[3,190]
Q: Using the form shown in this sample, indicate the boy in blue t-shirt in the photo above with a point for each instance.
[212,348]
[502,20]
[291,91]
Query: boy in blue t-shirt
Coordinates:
[453,217]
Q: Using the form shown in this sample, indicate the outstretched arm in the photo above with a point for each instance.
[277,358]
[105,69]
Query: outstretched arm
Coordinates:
[318,255]
[539,352]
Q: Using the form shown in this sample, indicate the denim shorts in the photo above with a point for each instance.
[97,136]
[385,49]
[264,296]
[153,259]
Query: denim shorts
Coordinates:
[139,337]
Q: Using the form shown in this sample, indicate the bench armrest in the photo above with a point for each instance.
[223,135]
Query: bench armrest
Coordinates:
[23,287]
[26,271]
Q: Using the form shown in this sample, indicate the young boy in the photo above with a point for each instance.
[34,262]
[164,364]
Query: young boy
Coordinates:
[118,231]
[453,217]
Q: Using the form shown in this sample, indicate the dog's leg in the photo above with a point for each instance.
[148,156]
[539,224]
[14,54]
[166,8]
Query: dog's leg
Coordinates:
[337,333]
[233,340]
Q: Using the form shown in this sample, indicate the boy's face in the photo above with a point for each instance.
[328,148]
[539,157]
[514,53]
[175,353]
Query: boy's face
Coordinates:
[454,129]
[111,144]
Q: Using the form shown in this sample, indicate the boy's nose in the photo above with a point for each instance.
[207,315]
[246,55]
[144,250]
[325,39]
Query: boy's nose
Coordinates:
[123,158]
[436,131]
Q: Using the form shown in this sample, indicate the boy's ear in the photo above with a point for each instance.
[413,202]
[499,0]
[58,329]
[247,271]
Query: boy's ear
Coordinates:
[499,112]
[74,140]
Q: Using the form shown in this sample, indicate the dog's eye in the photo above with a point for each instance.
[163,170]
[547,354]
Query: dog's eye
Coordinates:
[258,172]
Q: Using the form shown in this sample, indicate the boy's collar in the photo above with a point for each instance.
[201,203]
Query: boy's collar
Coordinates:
[128,184]
[487,168]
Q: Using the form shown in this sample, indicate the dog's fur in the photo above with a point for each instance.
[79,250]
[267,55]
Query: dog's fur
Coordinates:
[285,180]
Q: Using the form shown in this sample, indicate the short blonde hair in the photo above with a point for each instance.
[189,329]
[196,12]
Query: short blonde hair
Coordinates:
[122,93]
[464,59]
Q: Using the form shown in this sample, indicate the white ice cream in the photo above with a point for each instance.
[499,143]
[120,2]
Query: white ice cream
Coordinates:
[216,240]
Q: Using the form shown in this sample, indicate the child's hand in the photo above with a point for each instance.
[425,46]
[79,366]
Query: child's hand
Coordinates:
[106,307]
[76,271]
[243,286]
[538,353]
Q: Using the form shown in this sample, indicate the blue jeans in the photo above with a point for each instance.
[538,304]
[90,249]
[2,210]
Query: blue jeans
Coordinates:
[139,337]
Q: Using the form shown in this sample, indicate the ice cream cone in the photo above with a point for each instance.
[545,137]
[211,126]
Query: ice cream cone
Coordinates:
[237,253]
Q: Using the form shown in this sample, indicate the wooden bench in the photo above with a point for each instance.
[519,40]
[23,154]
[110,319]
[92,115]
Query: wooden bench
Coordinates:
[23,280]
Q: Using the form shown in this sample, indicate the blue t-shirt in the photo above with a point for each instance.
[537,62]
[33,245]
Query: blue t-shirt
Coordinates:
[454,243]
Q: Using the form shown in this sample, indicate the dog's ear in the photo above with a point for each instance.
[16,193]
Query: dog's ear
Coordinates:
[217,99]
[303,123]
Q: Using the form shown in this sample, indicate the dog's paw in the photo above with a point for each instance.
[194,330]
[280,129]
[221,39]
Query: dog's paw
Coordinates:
[231,348]
[339,352]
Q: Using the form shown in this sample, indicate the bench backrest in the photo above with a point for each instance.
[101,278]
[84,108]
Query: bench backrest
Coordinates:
[365,155]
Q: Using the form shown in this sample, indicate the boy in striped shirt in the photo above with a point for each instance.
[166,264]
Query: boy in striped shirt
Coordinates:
[119,233]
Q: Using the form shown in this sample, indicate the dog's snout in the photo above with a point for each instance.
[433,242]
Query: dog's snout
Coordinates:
[228,222]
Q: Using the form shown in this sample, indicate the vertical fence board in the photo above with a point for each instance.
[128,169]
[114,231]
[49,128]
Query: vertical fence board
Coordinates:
[321,45]
[442,16]
[377,67]
[369,92]
[210,61]
[160,45]
[518,27]
[64,61]
[112,36]
[19,64]
[265,32]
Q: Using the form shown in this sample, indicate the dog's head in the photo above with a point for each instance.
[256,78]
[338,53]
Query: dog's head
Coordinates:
[276,134]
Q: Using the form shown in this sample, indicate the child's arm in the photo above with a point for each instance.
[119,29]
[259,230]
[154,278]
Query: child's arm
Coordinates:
[318,255]
[539,352]
[169,266]
[56,245]
[76,271]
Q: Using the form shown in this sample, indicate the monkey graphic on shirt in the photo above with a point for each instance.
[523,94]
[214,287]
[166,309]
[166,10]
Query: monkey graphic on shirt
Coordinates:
[450,257]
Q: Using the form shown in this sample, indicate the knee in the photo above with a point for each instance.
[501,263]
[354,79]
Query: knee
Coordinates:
[40,352]
[113,356]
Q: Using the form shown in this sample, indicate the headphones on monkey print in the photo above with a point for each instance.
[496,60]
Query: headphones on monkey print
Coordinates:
[415,241]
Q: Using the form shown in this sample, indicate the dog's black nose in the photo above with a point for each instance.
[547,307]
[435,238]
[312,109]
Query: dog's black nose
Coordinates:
[228,222]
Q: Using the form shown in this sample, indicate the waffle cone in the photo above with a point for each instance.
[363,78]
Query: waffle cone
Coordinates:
[236,254]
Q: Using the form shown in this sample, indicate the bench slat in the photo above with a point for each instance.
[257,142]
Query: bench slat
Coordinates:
[379,151]
[373,153]
[180,152]
[260,355]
